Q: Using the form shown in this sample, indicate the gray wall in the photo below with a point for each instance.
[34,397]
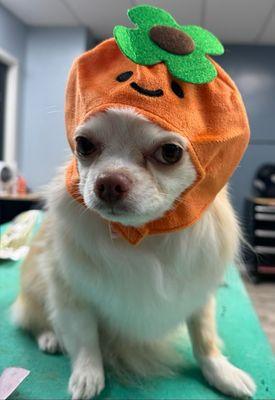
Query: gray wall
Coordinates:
[50,53]
[12,34]
[253,69]
[13,39]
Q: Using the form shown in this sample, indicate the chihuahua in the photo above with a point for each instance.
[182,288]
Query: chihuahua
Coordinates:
[87,291]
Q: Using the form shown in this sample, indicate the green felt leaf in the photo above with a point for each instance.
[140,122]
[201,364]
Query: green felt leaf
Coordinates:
[138,46]
[147,16]
[196,69]
[205,40]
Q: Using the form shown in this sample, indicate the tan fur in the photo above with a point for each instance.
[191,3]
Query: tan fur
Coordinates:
[32,297]
[203,331]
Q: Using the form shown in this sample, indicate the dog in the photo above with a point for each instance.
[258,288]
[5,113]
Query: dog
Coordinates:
[87,291]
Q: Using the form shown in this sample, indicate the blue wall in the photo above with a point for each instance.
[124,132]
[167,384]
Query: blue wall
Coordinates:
[12,34]
[50,53]
[45,56]
[253,69]
[13,38]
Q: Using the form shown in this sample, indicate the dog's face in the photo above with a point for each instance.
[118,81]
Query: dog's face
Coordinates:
[131,171]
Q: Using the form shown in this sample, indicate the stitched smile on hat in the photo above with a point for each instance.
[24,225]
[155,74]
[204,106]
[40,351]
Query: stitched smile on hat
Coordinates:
[175,87]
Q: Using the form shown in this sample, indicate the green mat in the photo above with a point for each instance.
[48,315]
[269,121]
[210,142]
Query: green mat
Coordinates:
[245,344]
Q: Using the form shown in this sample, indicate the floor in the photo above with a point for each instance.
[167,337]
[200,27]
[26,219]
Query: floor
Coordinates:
[263,299]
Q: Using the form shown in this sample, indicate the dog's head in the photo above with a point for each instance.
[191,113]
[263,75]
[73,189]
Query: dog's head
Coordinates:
[131,170]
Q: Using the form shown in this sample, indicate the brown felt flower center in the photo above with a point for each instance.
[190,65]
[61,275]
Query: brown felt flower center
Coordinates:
[172,39]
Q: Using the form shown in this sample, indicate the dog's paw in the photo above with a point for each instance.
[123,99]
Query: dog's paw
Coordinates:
[47,342]
[232,381]
[86,383]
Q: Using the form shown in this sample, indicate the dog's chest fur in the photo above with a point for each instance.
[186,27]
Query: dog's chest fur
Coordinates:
[143,291]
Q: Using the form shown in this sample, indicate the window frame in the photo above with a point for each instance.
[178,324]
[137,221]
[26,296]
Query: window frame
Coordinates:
[11,106]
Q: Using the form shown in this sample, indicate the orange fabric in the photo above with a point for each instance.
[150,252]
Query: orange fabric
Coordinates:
[211,117]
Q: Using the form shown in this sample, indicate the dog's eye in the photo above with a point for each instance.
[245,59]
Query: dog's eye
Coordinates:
[124,76]
[169,153]
[84,146]
[177,89]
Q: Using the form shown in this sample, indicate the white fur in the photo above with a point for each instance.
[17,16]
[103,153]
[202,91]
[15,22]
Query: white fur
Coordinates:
[87,379]
[125,139]
[47,341]
[106,296]
[221,374]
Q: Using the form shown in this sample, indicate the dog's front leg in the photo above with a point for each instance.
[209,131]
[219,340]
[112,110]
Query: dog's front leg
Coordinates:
[78,329]
[217,370]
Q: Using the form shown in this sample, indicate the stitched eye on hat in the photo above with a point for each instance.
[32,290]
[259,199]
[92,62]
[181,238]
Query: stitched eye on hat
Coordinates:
[124,76]
[177,89]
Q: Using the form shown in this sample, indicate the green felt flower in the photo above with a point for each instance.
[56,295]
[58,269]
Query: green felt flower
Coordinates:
[159,38]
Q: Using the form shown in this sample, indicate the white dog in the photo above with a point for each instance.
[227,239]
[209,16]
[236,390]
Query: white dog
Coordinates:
[103,299]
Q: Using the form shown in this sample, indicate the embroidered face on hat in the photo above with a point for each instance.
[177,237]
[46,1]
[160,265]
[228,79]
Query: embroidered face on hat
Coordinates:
[163,71]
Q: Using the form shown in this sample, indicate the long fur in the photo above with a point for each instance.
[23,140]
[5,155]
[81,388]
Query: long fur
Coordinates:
[78,281]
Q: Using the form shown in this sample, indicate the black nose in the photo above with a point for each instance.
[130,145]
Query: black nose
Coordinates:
[112,187]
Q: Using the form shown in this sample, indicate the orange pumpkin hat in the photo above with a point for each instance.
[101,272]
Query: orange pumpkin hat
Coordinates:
[136,69]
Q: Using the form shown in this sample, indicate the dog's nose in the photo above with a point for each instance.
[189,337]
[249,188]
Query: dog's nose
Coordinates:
[112,187]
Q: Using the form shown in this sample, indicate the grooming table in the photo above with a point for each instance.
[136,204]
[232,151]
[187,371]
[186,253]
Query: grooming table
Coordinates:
[244,343]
